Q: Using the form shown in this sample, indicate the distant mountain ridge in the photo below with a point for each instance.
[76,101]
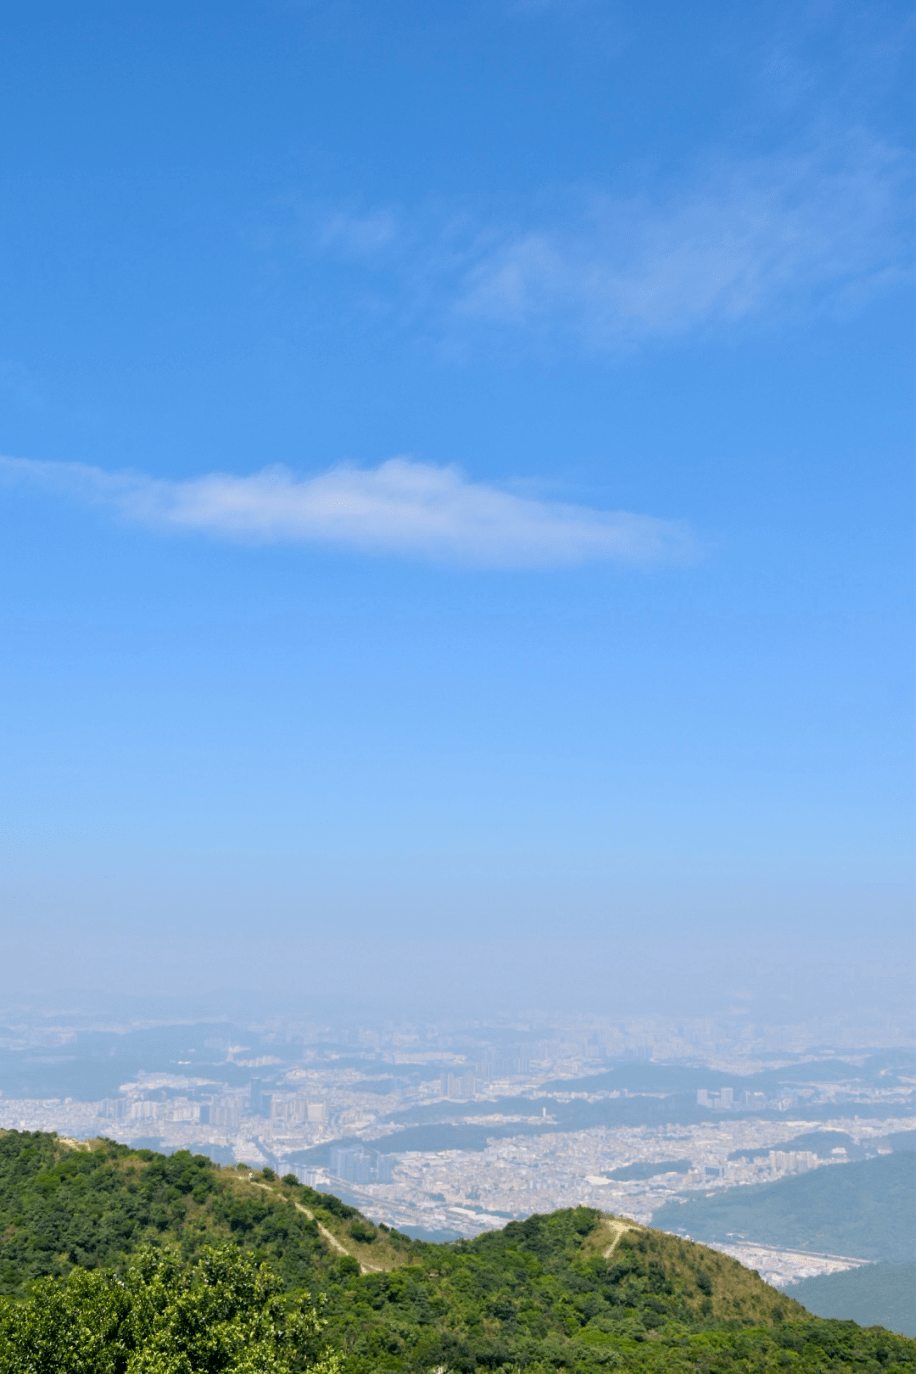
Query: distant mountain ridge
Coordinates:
[866,1210]
[872,1295]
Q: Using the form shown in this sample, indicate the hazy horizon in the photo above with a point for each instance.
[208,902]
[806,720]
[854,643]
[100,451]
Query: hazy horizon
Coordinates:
[456,504]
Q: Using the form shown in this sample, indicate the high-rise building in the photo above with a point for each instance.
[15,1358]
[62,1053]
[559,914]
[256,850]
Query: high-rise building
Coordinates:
[225,1112]
[287,1108]
[114,1108]
[305,1175]
[185,1111]
[384,1168]
[792,1161]
[259,1098]
[353,1165]
[458,1085]
[144,1110]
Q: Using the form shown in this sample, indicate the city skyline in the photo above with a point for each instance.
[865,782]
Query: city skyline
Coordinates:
[447,1129]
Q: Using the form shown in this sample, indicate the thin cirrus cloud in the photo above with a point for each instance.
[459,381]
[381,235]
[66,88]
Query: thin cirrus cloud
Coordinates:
[780,236]
[824,227]
[402,507]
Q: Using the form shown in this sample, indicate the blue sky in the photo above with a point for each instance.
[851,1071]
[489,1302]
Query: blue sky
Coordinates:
[456,495]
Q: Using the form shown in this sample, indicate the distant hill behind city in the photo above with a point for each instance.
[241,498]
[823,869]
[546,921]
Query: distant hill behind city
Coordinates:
[872,1295]
[865,1210]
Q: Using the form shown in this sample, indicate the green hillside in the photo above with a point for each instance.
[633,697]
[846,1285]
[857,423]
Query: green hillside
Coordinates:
[873,1295]
[62,1207]
[866,1210]
[128,1255]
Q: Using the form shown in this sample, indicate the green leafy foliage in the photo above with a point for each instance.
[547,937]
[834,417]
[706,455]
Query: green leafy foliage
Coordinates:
[220,1314]
[61,1207]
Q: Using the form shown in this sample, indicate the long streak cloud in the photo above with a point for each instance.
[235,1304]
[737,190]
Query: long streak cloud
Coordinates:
[402,507]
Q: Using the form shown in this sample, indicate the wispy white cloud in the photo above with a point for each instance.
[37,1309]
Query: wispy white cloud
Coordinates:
[823,227]
[400,507]
[360,236]
[781,234]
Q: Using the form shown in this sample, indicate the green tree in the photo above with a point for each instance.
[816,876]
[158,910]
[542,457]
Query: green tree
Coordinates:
[221,1314]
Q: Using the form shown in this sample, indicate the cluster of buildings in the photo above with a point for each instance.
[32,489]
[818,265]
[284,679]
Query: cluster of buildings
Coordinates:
[461,1086]
[467,1191]
[323,1103]
[223,1110]
[732,1099]
[796,1161]
[361,1166]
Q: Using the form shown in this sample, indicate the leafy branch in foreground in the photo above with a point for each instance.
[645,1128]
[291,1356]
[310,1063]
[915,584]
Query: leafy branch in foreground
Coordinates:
[220,1314]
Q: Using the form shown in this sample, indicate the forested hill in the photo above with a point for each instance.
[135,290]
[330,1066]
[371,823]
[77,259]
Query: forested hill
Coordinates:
[575,1290]
[64,1204]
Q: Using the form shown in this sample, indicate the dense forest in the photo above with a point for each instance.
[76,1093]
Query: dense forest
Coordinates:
[116,1261]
